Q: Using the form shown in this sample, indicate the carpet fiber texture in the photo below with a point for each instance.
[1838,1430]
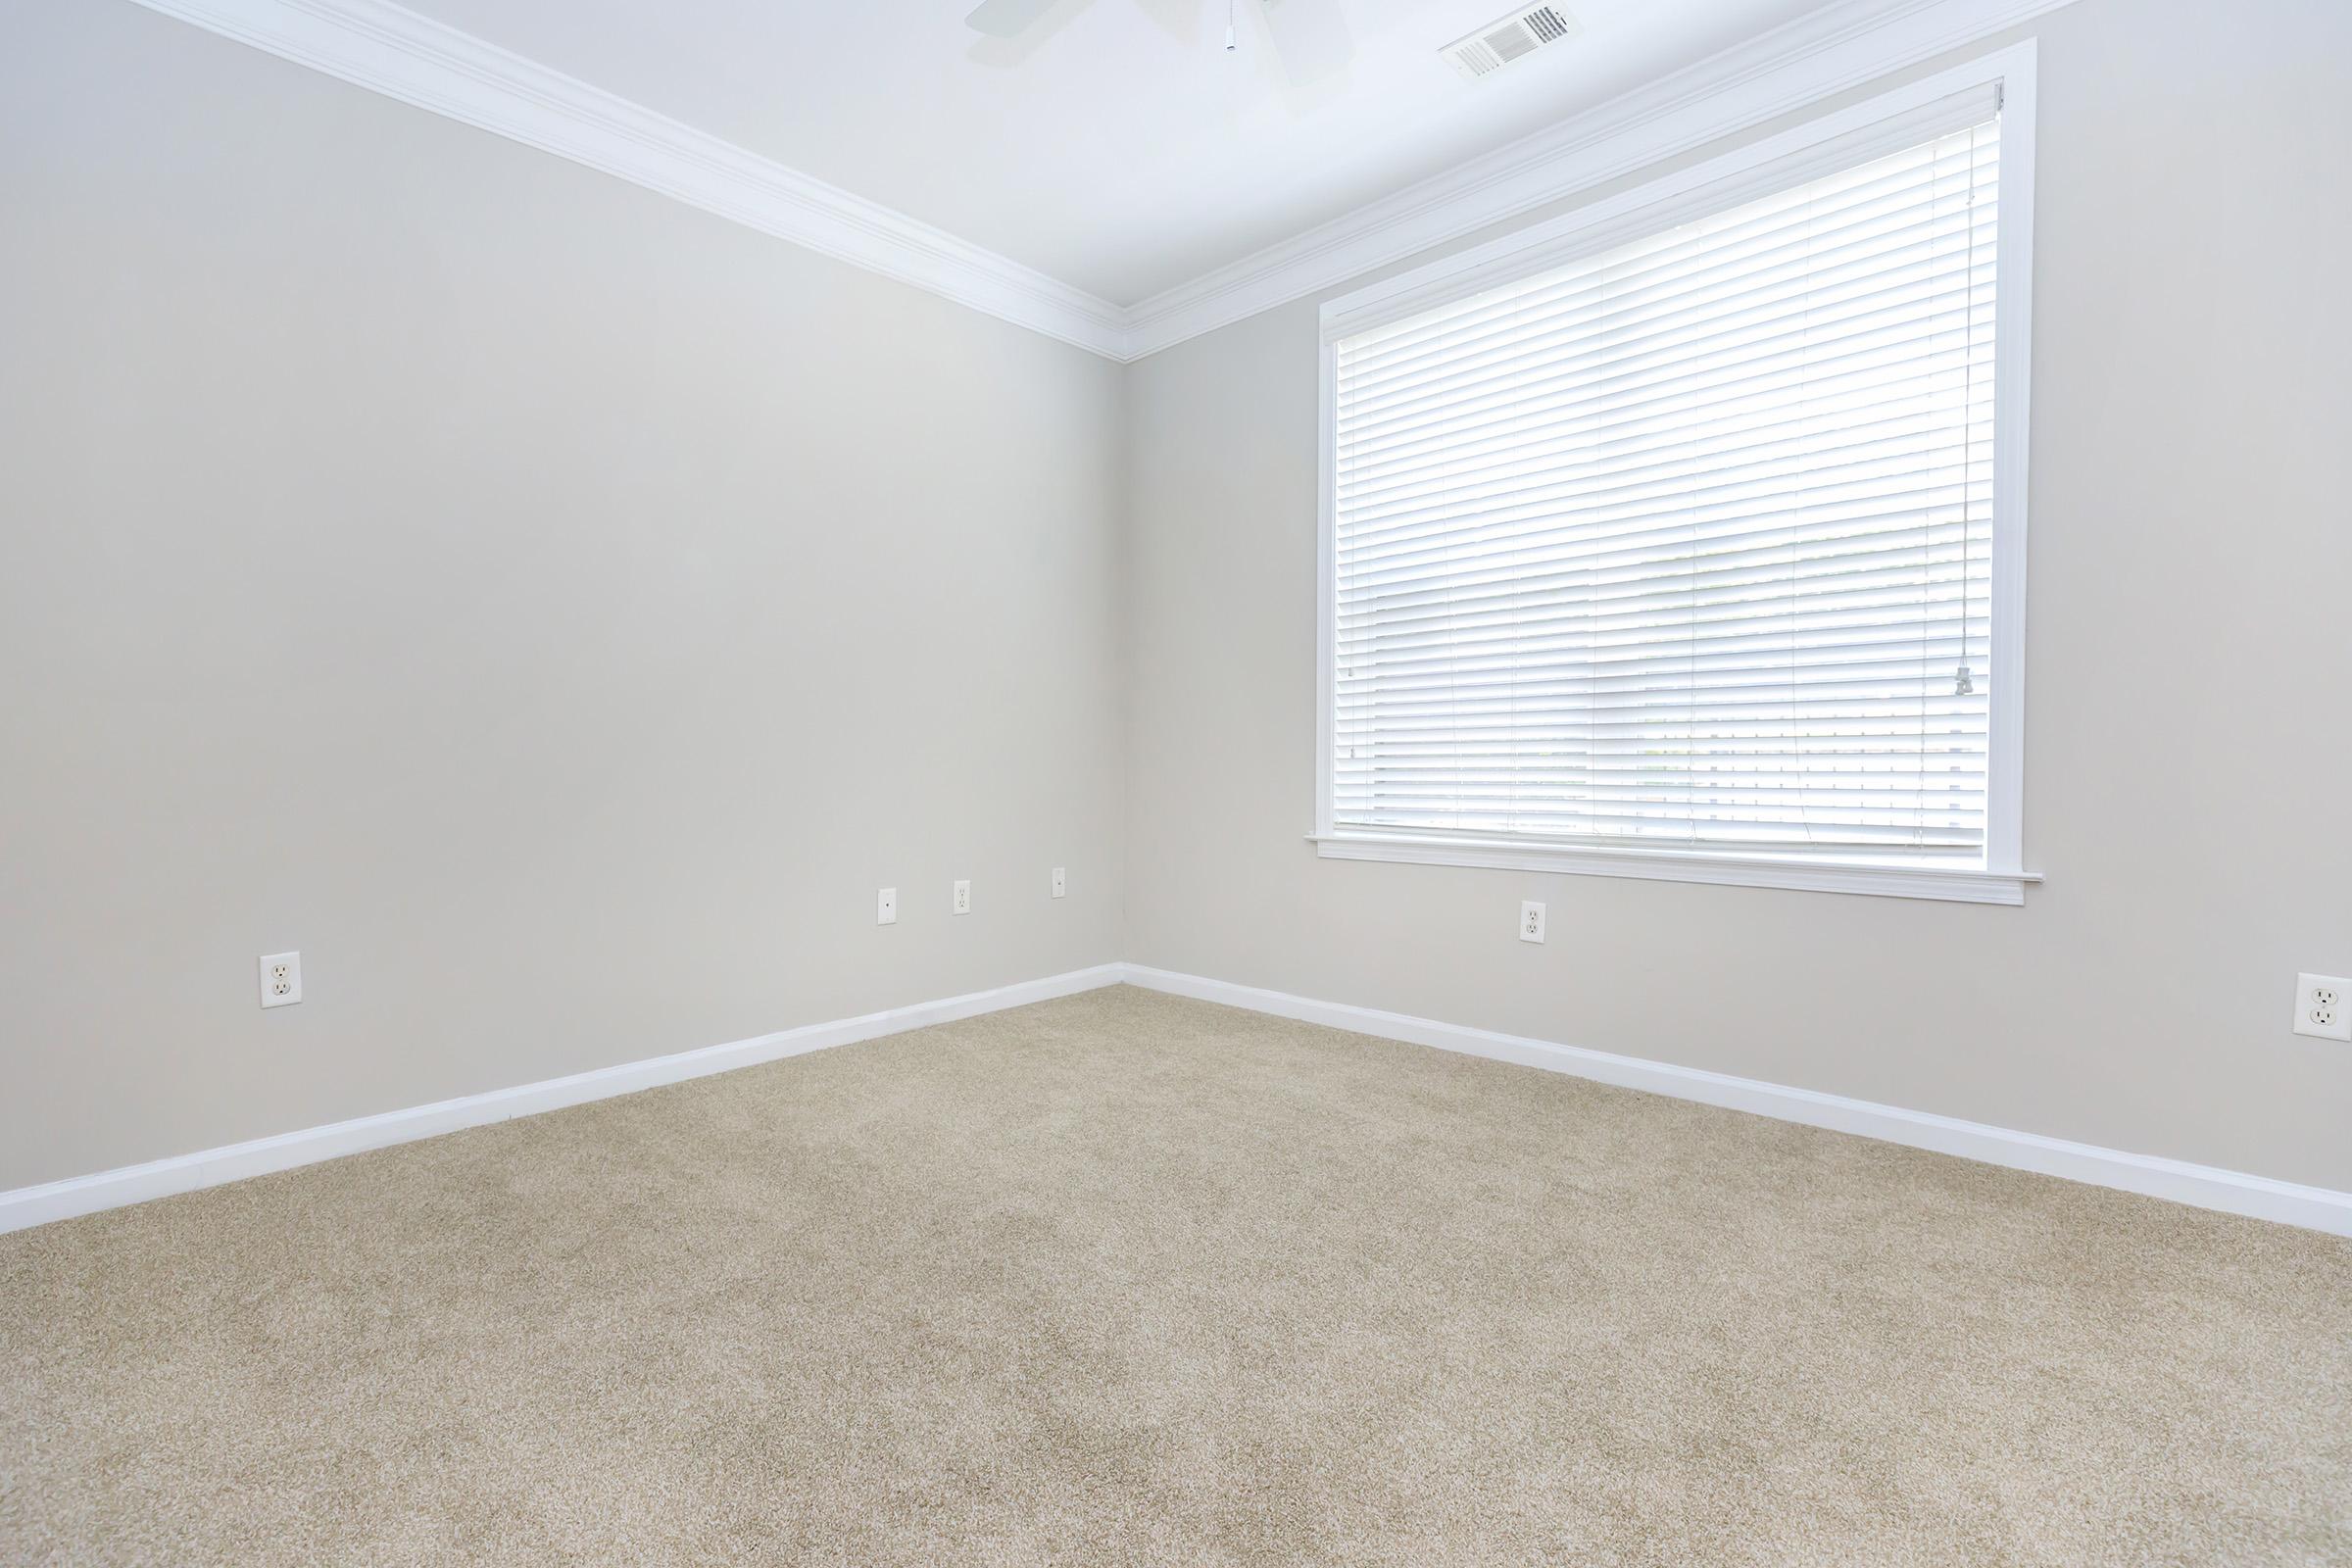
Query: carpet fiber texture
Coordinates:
[1127,1279]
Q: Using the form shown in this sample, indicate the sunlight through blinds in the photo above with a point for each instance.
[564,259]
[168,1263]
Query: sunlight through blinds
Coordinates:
[1690,543]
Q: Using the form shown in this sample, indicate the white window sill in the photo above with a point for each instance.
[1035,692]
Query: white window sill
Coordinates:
[1894,880]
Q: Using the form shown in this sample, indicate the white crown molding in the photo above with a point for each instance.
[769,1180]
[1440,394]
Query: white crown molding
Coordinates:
[388,49]
[210,1167]
[2176,1181]
[1844,46]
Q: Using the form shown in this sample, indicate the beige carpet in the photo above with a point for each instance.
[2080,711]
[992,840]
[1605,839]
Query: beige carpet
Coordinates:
[1125,1279]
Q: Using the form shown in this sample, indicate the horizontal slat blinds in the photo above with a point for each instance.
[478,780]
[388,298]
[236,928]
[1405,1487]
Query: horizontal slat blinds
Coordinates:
[1688,544]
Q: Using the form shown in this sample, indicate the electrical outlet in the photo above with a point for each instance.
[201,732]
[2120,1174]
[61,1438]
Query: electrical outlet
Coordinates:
[281,979]
[1060,883]
[1531,921]
[2324,1007]
[963,897]
[886,906]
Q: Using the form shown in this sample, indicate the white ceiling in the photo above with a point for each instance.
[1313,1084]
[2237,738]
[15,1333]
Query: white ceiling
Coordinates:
[1117,146]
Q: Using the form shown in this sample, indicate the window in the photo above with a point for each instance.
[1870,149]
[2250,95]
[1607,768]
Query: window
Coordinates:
[1679,543]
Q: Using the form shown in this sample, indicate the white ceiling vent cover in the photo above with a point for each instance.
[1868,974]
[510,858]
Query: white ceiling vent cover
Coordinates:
[1499,43]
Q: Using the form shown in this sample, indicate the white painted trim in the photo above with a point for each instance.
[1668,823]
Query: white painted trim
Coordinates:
[1842,46]
[2012,423]
[1916,112]
[2200,1186]
[1958,883]
[1327,578]
[391,50]
[210,1167]
[2232,1192]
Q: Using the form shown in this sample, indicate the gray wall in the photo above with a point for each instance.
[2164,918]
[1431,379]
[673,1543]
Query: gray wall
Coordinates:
[2190,659]
[552,610]
[556,612]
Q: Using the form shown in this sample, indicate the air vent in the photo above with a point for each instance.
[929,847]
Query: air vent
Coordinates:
[1499,43]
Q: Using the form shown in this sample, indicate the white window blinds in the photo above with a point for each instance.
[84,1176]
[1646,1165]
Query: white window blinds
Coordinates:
[1687,544]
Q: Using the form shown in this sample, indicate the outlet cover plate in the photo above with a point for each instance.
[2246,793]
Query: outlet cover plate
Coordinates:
[281,979]
[2324,1007]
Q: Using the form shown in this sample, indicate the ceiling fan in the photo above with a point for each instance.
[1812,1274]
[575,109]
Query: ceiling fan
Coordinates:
[1309,35]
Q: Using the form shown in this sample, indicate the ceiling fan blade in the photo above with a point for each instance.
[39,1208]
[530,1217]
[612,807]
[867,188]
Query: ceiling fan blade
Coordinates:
[1310,36]
[1005,19]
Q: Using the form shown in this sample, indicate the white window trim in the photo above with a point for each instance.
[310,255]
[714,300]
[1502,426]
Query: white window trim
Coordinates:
[1772,163]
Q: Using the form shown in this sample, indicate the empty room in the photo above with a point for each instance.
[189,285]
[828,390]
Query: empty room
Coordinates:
[1226,783]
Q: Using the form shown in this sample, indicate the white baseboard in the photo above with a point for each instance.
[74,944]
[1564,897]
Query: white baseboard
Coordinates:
[2201,1186]
[183,1173]
[2233,1192]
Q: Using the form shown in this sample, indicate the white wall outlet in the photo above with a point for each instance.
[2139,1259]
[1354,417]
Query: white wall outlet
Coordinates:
[1061,884]
[886,906]
[963,897]
[281,979]
[2324,1007]
[1531,921]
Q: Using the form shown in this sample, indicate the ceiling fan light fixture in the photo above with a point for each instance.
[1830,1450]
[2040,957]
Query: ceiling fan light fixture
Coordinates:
[1005,19]
[1310,38]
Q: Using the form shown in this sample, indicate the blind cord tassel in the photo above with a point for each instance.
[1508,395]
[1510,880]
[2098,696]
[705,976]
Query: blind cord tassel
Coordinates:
[1963,683]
